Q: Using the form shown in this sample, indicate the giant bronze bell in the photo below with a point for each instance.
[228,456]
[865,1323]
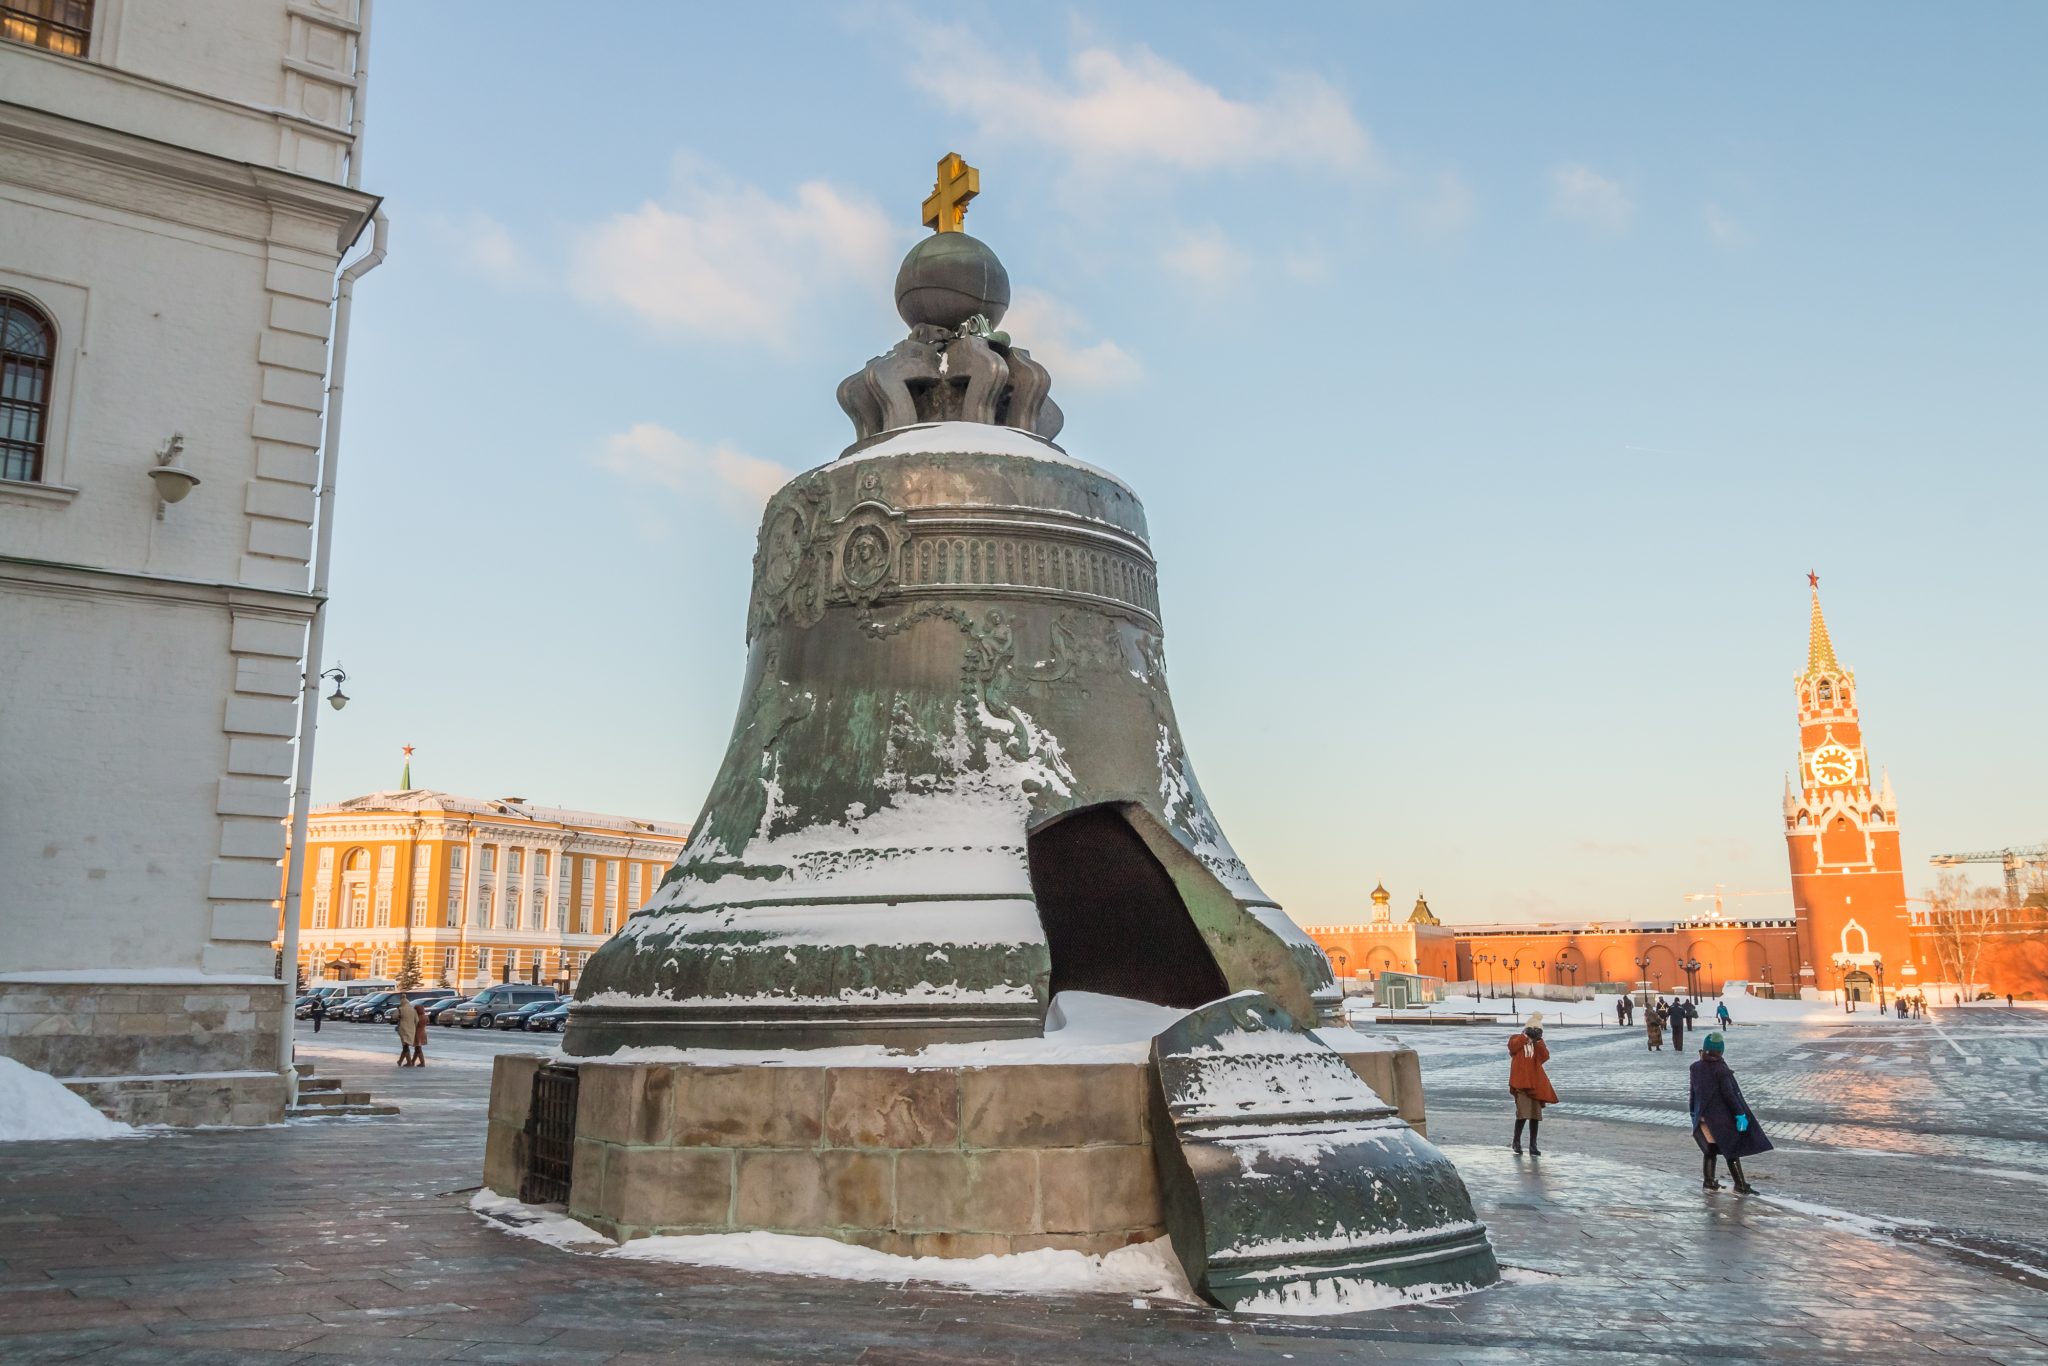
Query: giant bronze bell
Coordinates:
[956,785]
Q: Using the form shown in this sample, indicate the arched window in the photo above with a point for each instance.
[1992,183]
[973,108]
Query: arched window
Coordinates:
[60,26]
[1827,692]
[27,345]
[1877,815]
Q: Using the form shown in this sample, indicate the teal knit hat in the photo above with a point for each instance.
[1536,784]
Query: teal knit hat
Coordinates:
[1713,1043]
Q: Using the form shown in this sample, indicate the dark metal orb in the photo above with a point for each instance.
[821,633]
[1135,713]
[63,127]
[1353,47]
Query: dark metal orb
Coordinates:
[948,278]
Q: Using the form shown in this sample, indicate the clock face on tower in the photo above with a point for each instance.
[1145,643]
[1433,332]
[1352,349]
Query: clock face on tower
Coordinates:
[1833,765]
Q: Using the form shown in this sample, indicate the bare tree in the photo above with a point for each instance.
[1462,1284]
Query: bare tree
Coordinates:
[1961,918]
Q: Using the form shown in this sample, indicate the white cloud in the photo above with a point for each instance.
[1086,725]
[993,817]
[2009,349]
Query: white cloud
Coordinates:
[484,246]
[1445,209]
[650,453]
[1724,231]
[1047,329]
[1583,195]
[731,261]
[1206,256]
[1119,109]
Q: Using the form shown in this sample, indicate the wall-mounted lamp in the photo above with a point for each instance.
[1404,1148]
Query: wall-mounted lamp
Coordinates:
[173,481]
[336,699]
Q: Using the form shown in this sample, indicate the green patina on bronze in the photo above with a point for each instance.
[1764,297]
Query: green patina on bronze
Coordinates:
[1286,1180]
[953,640]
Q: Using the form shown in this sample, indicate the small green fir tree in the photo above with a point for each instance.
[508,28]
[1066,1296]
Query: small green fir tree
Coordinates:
[409,972]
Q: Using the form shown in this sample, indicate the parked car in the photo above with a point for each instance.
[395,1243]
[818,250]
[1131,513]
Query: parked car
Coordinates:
[337,994]
[362,1007]
[387,1010]
[516,1019]
[436,1009]
[550,1020]
[483,1009]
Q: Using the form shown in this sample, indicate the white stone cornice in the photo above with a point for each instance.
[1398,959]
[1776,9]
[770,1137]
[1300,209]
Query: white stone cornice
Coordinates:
[51,576]
[129,171]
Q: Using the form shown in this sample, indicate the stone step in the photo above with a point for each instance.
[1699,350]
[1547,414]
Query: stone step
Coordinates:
[306,1111]
[304,1069]
[327,1100]
[319,1084]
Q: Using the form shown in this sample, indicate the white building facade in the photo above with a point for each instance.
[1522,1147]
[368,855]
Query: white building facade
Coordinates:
[177,191]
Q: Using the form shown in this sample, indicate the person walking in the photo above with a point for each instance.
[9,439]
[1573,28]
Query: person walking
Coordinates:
[1721,1014]
[1621,1011]
[1653,1017]
[408,1030]
[419,1036]
[1722,1124]
[318,1011]
[1675,1017]
[1528,1082]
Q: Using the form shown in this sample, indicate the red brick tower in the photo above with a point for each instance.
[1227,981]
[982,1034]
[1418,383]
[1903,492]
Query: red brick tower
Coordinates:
[1848,886]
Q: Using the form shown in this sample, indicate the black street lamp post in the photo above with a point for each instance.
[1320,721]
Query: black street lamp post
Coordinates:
[1512,965]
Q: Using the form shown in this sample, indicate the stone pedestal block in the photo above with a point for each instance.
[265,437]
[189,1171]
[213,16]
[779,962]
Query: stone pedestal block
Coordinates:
[176,1053]
[918,1161]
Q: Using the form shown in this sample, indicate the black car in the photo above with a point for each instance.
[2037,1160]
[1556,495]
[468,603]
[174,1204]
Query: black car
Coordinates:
[517,1019]
[436,1009]
[388,1010]
[549,1020]
[361,1008]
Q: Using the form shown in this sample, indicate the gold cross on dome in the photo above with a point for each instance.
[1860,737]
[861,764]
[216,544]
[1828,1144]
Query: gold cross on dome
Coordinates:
[958,182]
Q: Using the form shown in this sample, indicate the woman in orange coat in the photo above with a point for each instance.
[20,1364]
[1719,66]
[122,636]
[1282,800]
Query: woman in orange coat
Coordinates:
[1528,1082]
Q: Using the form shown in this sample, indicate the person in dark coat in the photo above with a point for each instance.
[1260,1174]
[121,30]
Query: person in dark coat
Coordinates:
[1722,1124]
[1528,1082]
[1621,1010]
[1675,1016]
[1692,1015]
[318,1012]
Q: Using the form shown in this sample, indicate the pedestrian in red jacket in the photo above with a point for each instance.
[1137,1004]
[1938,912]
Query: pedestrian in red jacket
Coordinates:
[1528,1082]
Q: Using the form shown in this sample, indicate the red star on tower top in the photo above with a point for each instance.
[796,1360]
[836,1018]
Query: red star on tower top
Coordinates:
[408,751]
[1812,579]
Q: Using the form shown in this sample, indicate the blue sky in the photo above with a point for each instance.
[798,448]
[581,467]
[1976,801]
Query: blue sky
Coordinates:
[1492,375]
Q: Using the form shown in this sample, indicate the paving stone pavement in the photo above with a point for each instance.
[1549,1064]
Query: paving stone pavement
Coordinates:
[350,1240]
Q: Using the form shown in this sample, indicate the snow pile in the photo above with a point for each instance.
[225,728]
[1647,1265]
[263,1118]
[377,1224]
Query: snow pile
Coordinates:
[34,1105]
[1148,1269]
[1268,1073]
[1081,1027]
[537,1222]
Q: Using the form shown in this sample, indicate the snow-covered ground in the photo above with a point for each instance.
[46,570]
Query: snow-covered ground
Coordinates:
[35,1105]
[1599,1011]
[1147,1269]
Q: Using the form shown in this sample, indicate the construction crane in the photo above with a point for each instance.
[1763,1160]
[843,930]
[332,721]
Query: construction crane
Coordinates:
[1721,892]
[2013,860]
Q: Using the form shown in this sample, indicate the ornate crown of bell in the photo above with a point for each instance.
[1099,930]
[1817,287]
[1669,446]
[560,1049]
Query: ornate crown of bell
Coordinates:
[956,785]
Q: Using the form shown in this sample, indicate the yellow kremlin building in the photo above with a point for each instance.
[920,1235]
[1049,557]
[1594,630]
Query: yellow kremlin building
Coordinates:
[486,890]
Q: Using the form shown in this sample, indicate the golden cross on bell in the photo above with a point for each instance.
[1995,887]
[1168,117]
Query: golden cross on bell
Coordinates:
[958,182]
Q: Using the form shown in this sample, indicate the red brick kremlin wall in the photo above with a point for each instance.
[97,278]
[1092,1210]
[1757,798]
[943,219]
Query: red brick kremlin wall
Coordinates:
[1567,955]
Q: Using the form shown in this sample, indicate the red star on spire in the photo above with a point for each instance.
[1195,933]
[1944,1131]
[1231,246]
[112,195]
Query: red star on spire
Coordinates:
[1812,581]
[408,751]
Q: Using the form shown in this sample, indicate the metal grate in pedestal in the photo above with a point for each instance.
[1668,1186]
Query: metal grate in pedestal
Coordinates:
[550,1136]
